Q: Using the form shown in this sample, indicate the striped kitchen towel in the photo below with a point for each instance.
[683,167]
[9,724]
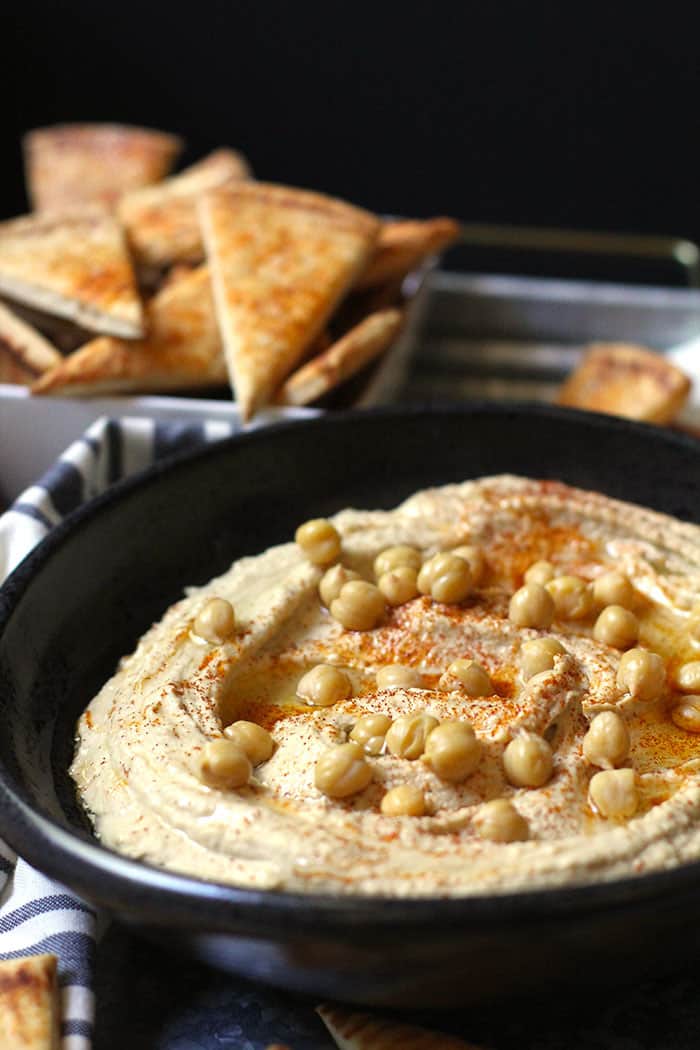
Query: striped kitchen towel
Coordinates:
[36,914]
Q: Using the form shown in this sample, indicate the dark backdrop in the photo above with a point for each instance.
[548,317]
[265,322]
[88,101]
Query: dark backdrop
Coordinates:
[522,113]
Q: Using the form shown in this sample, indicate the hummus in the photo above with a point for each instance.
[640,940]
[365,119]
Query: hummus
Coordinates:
[140,743]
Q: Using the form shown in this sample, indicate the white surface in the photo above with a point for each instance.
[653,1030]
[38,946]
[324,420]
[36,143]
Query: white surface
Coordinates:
[687,357]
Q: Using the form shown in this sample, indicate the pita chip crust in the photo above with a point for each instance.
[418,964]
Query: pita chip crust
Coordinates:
[71,164]
[74,264]
[161,221]
[402,245]
[30,1012]
[24,353]
[181,352]
[352,1030]
[281,260]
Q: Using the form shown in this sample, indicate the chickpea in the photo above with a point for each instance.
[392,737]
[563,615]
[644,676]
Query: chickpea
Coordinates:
[572,597]
[254,741]
[224,765]
[540,572]
[641,674]
[617,627]
[686,714]
[469,676]
[613,793]
[401,557]
[324,685]
[216,621]
[474,557]
[359,606]
[407,735]
[528,761]
[538,655]
[319,541]
[369,732]
[445,577]
[332,582]
[399,586]
[397,674]
[453,751]
[403,801]
[688,677]
[499,821]
[531,606]
[342,771]
[613,588]
[607,742]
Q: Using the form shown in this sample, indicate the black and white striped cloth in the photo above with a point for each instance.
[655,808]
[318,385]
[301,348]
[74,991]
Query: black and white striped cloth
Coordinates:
[36,914]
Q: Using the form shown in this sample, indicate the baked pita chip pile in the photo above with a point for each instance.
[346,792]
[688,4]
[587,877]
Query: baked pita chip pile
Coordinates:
[402,245]
[73,164]
[352,1030]
[74,264]
[281,260]
[181,352]
[24,353]
[625,380]
[30,1012]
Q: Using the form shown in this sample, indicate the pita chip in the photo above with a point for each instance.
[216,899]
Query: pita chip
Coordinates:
[74,264]
[181,352]
[402,245]
[161,221]
[361,1031]
[24,353]
[626,380]
[30,1012]
[343,359]
[281,260]
[71,164]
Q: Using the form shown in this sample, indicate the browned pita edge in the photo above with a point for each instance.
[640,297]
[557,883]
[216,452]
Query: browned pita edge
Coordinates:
[61,333]
[161,221]
[181,352]
[24,353]
[352,1030]
[72,164]
[74,264]
[402,245]
[626,380]
[30,1009]
[349,355]
[281,260]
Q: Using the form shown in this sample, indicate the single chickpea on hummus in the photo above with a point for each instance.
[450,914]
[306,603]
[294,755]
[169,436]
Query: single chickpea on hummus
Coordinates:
[493,687]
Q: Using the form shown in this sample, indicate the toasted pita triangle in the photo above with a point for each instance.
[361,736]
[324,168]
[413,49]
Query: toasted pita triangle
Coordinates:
[361,1031]
[75,265]
[281,260]
[30,1011]
[24,353]
[161,221]
[402,245]
[73,164]
[181,352]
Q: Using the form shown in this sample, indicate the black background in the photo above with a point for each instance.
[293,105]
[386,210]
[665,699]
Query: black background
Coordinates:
[570,115]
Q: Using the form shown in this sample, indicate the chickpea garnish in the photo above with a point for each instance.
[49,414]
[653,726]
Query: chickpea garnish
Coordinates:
[474,557]
[572,597]
[538,655]
[399,557]
[452,751]
[407,735]
[688,677]
[499,821]
[445,577]
[342,771]
[540,572]
[369,732]
[613,588]
[406,800]
[469,676]
[359,606]
[397,674]
[399,585]
[531,606]
[224,765]
[613,793]
[254,741]
[333,581]
[686,714]
[607,742]
[528,761]
[617,627]
[216,621]
[641,674]
[324,685]
[319,540]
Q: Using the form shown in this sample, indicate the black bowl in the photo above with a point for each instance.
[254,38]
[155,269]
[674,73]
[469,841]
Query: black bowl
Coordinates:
[85,595]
